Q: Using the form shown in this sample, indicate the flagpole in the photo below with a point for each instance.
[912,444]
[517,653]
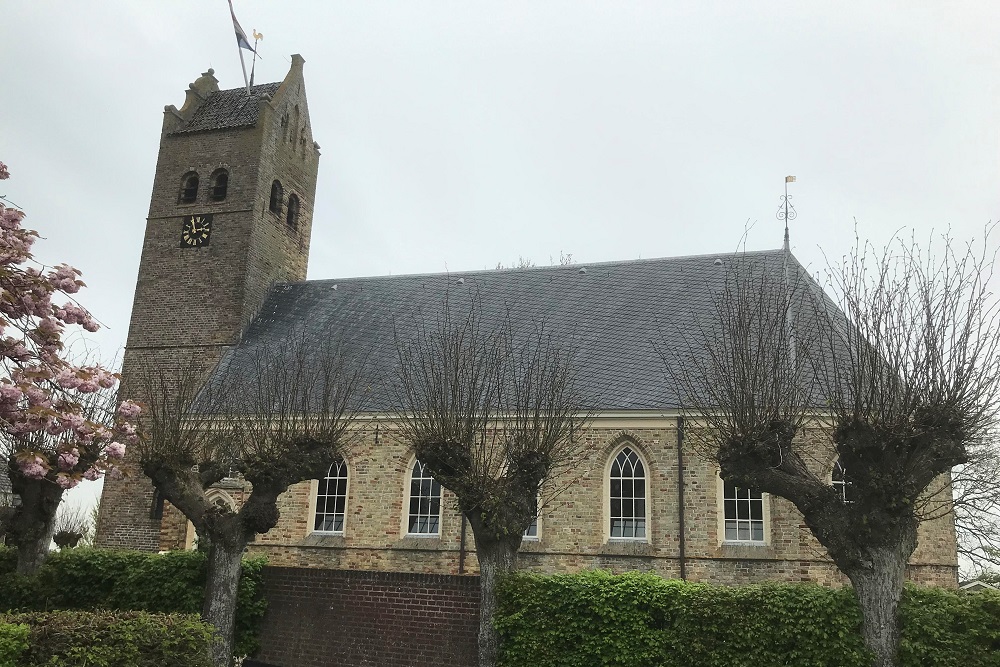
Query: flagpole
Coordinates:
[241,39]
[244,66]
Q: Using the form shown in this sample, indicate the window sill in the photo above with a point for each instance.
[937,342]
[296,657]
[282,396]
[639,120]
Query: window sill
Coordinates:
[419,541]
[617,546]
[746,550]
[531,545]
[319,539]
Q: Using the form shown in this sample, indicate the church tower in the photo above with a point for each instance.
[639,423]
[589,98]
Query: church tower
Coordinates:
[230,215]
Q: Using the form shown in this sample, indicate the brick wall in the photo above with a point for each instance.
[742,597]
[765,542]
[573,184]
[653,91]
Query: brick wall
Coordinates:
[317,618]
[573,526]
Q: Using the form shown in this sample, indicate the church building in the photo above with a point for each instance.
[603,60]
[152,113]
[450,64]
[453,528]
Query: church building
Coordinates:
[223,270]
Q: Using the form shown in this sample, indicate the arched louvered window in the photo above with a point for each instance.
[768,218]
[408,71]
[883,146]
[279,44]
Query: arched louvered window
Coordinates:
[189,188]
[220,184]
[628,496]
[425,502]
[331,499]
[277,194]
[292,217]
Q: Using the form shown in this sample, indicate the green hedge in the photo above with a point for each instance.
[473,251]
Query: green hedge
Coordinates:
[109,639]
[596,618]
[13,643]
[92,579]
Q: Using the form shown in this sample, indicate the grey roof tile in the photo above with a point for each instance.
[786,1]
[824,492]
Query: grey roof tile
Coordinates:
[615,316]
[225,109]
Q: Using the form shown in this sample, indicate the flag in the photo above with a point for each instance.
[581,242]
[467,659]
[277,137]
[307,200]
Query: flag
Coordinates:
[241,37]
[788,179]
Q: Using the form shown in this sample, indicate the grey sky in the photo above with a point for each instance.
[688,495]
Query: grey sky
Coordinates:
[456,135]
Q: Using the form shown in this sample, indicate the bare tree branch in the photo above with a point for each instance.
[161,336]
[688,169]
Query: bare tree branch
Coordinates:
[905,376]
[492,409]
[275,415]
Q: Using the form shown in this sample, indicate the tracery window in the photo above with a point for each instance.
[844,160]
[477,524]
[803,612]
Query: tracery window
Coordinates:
[189,188]
[744,514]
[331,499]
[842,483]
[628,496]
[425,502]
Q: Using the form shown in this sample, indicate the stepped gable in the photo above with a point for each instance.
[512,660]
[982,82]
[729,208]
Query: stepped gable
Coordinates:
[613,315]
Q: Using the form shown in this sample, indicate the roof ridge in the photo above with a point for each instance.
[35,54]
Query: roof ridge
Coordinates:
[531,269]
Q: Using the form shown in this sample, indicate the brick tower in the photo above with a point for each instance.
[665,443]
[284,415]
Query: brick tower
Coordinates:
[230,216]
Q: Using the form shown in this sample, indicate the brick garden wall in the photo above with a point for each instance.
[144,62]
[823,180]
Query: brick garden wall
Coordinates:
[317,618]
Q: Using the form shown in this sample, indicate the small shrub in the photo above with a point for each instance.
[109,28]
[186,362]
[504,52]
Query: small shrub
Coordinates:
[93,579]
[113,639]
[13,643]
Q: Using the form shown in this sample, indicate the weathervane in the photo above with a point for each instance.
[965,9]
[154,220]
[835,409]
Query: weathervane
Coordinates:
[256,38]
[786,211]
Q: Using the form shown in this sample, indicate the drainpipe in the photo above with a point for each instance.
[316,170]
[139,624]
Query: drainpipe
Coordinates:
[461,549]
[680,496]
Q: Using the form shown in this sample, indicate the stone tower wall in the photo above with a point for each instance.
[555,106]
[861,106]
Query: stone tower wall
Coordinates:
[192,303]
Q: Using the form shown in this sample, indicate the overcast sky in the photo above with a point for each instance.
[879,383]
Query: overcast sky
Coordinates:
[456,135]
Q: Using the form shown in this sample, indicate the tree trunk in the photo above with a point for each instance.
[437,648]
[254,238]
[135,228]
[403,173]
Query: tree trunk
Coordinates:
[34,522]
[222,582]
[496,558]
[878,587]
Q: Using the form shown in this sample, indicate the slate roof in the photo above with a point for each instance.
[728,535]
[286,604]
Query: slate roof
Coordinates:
[615,316]
[225,109]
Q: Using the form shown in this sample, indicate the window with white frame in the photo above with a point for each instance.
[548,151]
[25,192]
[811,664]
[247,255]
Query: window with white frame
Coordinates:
[628,496]
[744,509]
[331,499]
[842,484]
[531,532]
[425,502]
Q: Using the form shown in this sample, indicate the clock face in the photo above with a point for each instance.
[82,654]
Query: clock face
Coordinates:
[196,230]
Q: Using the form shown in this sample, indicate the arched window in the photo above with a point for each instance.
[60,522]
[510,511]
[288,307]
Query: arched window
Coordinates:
[331,499]
[276,196]
[293,212]
[220,184]
[842,483]
[189,188]
[628,496]
[425,502]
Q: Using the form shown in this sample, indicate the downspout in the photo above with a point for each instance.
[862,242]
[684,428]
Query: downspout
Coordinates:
[461,549]
[682,552]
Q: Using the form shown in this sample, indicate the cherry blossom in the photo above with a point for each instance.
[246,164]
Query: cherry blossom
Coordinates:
[58,420]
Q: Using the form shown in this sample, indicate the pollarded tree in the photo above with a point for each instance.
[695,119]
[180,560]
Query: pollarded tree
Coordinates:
[58,422]
[492,411]
[274,418]
[905,377]
[973,499]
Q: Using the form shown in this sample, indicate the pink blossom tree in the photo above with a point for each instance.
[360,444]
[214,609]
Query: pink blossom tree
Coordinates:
[60,422]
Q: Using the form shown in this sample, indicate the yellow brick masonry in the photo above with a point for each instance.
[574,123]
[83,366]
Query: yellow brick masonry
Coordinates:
[573,528]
